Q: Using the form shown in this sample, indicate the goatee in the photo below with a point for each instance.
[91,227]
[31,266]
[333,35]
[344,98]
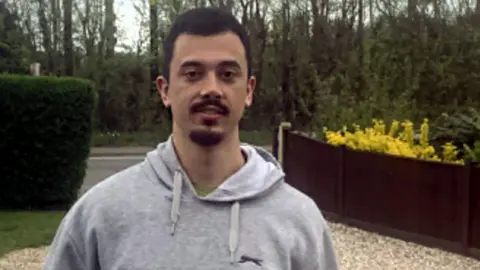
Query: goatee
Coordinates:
[206,138]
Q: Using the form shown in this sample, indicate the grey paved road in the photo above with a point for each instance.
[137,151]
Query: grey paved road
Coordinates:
[100,168]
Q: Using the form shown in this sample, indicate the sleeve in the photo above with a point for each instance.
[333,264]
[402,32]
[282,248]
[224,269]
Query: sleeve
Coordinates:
[74,246]
[64,253]
[315,248]
[325,256]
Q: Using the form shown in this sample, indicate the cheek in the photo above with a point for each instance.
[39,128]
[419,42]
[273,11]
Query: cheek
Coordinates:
[180,99]
[180,107]
[238,103]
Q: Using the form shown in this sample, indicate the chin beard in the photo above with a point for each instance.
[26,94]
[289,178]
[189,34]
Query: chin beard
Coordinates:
[206,138]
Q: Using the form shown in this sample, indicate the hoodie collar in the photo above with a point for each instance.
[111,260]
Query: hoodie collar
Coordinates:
[260,173]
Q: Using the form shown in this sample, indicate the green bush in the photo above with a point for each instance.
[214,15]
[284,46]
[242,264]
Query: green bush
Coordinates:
[473,153]
[461,127]
[45,133]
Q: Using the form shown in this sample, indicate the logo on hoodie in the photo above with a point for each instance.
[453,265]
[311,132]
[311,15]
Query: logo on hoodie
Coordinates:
[245,259]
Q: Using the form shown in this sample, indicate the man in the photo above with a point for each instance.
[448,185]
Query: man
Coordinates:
[201,200]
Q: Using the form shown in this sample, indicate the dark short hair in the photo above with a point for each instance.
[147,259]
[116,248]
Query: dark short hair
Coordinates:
[205,21]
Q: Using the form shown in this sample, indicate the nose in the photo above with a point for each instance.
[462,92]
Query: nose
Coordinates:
[211,87]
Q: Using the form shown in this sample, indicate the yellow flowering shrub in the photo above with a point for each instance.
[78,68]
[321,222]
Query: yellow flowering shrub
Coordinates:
[399,140]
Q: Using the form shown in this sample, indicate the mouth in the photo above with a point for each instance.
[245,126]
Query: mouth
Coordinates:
[209,111]
[210,114]
[212,110]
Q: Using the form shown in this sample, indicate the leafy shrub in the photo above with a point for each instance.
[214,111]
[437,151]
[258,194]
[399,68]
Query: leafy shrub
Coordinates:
[461,127]
[399,140]
[46,125]
[472,154]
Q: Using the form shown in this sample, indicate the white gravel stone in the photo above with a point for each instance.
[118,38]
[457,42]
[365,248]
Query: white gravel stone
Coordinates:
[356,250]
[24,259]
[360,250]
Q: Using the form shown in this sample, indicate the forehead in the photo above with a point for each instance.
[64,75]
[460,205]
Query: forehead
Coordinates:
[208,49]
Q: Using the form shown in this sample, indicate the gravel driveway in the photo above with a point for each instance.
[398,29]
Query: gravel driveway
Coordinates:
[357,250]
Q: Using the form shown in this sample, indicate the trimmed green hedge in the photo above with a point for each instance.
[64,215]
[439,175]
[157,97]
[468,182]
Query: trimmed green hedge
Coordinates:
[45,133]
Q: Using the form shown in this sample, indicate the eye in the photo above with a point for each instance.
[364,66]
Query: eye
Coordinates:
[228,75]
[192,75]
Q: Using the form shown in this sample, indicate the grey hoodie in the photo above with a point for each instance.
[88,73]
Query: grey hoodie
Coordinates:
[149,217]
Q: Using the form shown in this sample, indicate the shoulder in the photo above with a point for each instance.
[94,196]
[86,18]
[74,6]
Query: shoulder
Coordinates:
[112,195]
[295,199]
[301,212]
[114,186]
[292,208]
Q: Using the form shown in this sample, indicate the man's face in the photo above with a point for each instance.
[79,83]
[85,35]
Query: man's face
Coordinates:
[208,88]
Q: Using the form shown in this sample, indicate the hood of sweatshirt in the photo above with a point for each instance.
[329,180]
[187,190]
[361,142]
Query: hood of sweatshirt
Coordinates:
[260,174]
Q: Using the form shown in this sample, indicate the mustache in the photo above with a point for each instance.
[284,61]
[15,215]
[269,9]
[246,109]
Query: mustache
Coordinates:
[201,105]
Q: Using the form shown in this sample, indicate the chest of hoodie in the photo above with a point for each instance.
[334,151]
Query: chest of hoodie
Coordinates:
[202,238]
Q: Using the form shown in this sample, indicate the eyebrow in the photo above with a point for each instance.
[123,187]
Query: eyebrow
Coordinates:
[230,63]
[225,63]
[191,63]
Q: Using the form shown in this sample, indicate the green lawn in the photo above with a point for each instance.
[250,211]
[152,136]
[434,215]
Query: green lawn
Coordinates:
[20,230]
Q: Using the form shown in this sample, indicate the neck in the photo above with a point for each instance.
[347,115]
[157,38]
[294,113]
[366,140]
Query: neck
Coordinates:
[209,165]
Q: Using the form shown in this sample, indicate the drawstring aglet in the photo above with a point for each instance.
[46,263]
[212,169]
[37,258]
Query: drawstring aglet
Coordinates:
[172,229]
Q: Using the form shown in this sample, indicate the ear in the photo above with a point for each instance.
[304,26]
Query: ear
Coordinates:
[252,81]
[162,88]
